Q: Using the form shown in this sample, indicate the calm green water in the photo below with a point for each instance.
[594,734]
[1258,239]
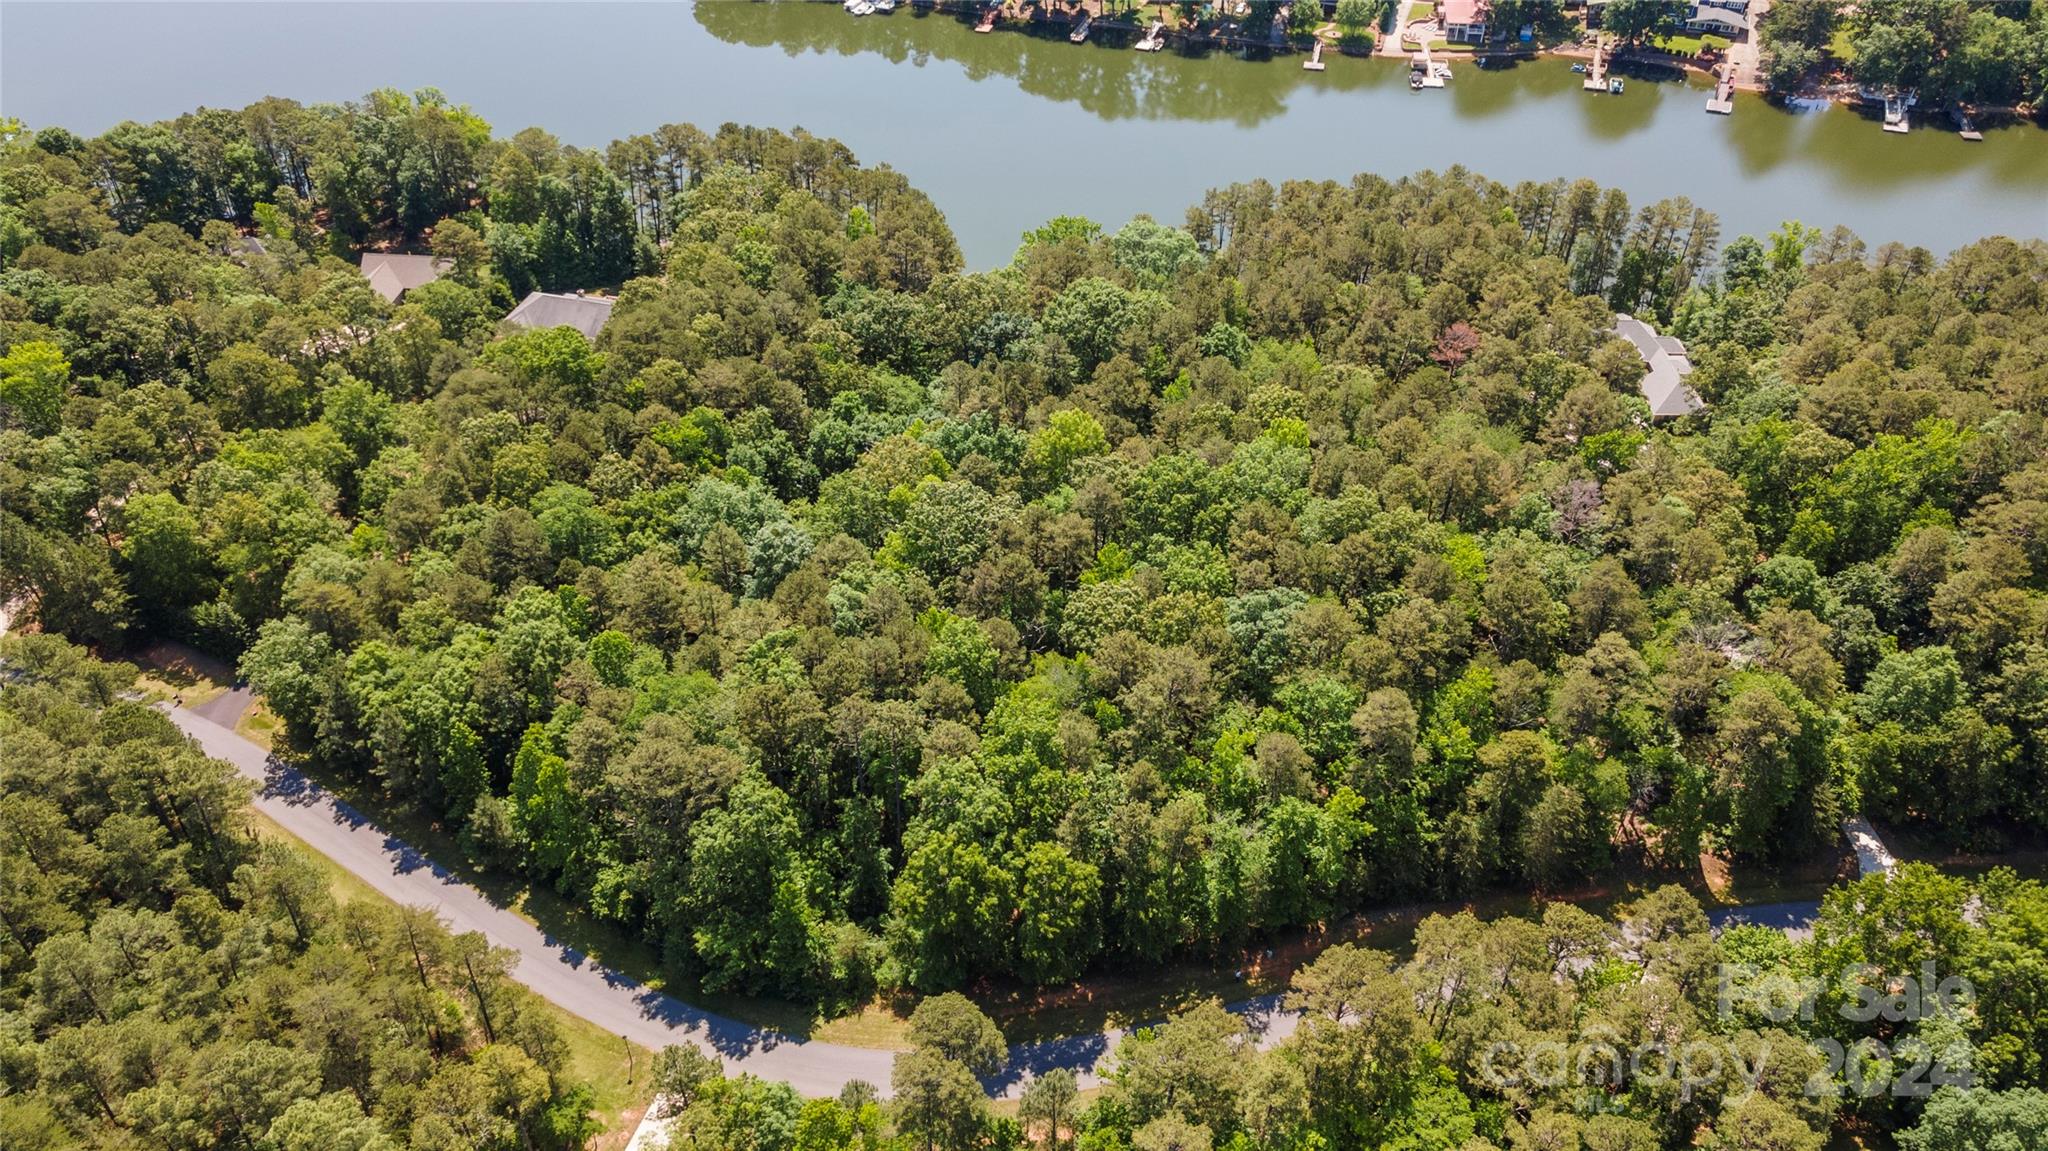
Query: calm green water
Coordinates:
[1005,130]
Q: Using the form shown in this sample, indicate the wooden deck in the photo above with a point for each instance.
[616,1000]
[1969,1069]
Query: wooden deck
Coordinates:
[1722,102]
[1596,72]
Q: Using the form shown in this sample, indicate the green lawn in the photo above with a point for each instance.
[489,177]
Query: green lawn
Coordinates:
[1684,45]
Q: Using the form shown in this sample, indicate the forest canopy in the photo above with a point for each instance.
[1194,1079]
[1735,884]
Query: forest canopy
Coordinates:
[169,981]
[841,619]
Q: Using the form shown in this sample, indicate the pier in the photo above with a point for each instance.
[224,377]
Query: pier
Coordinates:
[1596,72]
[1426,72]
[1080,32]
[1315,59]
[1895,112]
[1722,102]
[988,17]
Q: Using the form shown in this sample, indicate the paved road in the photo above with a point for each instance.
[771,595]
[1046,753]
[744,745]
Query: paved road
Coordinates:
[577,984]
[552,969]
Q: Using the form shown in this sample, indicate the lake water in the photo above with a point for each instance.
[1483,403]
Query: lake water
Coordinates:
[1006,130]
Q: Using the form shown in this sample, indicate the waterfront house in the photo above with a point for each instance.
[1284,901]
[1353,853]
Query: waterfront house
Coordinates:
[586,314]
[1728,18]
[392,275]
[1665,367]
[1464,21]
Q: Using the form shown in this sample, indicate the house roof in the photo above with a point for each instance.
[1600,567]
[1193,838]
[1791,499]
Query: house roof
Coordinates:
[586,314]
[1464,11]
[391,274]
[1665,368]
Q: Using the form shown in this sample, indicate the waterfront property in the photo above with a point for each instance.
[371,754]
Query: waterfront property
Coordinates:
[1114,132]
[586,314]
[1463,21]
[392,274]
[1728,18]
[1665,368]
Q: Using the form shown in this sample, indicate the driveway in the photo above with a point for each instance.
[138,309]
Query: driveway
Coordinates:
[583,987]
[1744,59]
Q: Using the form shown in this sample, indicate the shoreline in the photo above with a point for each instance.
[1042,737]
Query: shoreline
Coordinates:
[1050,16]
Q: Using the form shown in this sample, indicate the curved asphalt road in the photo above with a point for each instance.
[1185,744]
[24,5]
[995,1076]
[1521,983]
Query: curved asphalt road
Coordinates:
[572,981]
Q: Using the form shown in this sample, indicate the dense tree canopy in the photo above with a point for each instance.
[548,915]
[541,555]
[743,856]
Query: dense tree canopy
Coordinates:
[838,618]
[1944,50]
[167,981]
[1547,1034]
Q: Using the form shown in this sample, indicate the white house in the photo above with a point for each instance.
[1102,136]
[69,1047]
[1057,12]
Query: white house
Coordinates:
[1464,21]
[1728,18]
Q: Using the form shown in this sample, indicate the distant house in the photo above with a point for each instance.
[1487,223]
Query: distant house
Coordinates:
[392,275]
[1664,369]
[1728,18]
[1464,21]
[586,314]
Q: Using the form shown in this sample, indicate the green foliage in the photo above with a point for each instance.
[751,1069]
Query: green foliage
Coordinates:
[172,981]
[840,619]
[1980,1121]
[34,376]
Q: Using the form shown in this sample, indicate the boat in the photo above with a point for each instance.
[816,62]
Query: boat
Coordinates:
[860,7]
[1614,86]
[1578,67]
[1895,112]
[884,6]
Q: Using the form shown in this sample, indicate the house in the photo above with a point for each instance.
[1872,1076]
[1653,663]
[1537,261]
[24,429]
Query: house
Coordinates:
[1665,367]
[586,314]
[1464,21]
[392,275]
[1728,18]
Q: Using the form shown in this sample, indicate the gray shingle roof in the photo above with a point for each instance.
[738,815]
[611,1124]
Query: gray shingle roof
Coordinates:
[392,275]
[1665,368]
[586,314]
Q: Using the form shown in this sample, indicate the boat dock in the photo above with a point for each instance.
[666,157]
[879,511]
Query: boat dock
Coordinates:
[1425,72]
[988,18]
[1080,32]
[1596,73]
[1315,60]
[1965,127]
[1722,102]
[1895,114]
